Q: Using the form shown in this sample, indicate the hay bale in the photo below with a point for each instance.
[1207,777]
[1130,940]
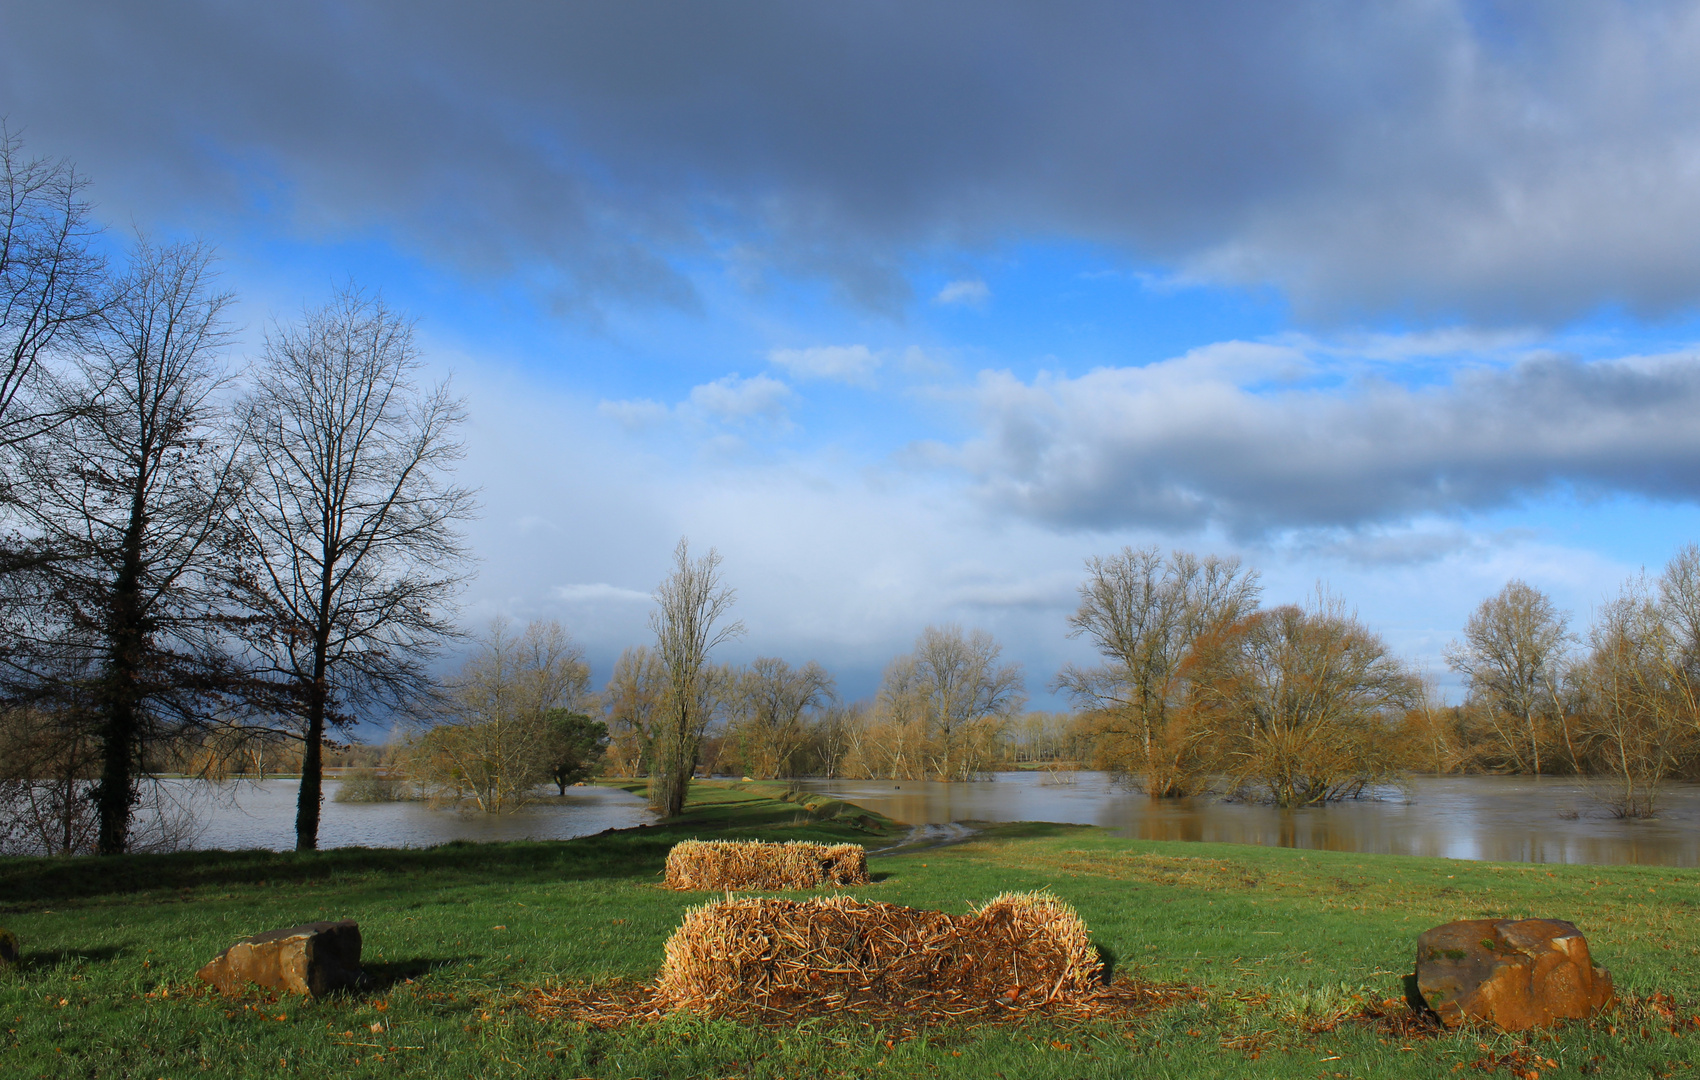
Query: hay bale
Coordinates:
[795,864]
[745,956]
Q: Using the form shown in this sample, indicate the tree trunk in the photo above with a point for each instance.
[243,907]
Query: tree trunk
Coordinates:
[312,758]
[116,792]
[116,795]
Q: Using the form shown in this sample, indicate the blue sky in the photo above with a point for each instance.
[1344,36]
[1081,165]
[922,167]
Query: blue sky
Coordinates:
[909,309]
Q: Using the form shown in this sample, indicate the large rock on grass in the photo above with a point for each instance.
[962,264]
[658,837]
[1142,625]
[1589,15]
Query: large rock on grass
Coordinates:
[9,953]
[1513,974]
[313,958]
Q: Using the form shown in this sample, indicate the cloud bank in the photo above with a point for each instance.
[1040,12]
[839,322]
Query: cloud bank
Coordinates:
[1256,439]
[1427,158]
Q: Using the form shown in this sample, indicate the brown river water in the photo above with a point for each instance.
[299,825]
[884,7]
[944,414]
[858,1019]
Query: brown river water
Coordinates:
[1498,818]
[1511,819]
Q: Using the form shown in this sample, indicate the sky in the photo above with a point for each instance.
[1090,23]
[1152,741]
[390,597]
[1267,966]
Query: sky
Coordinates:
[908,309]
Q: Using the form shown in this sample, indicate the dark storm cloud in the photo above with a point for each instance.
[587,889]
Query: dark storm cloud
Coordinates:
[1496,162]
[1184,444]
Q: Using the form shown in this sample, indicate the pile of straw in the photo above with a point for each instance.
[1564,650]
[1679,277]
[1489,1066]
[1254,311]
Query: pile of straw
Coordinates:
[796,864]
[755,956]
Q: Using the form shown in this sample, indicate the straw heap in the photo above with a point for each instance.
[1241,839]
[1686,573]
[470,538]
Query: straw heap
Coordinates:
[796,864]
[750,956]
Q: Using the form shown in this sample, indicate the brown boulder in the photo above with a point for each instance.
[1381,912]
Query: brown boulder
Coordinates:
[8,949]
[1513,974]
[313,958]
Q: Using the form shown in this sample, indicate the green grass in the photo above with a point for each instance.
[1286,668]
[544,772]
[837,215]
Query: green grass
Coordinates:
[1281,941]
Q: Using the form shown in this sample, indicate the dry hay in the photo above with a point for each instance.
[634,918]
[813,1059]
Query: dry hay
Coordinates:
[618,1003]
[745,956]
[795,864]
[774,961]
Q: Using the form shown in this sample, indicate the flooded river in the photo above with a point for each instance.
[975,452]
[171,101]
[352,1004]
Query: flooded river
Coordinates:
[1500,818]
[262,815]
[1513,819]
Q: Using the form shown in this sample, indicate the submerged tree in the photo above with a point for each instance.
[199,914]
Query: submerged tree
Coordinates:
[1143,612]
[1635,703]
[353,556]
[690,605]
[499,742]
[1299,705]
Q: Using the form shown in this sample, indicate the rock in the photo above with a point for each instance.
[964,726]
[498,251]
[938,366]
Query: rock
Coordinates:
[9,953]
[313,958]
[1513,974]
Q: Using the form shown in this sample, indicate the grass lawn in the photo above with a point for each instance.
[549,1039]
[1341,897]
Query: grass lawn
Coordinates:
[1282,942]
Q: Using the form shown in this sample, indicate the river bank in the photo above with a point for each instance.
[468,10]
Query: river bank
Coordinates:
[1283,945]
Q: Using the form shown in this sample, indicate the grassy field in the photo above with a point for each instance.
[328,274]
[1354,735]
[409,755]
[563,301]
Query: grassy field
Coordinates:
[1286,946]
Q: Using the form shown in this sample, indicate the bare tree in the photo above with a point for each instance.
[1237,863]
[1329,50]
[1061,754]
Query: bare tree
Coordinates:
[132,493]
[1300,705]
[775,699]
[48,762]
[1143,612]
[353,556]
[635,701]
[51,282]
[689,604]
[837,735]
[1512,659]
[954,687]
[1679,607]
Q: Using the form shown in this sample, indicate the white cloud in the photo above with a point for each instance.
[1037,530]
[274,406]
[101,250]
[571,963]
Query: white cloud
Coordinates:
[844,363]
[727,400]
[1255,438]
[736,400]
[972,292]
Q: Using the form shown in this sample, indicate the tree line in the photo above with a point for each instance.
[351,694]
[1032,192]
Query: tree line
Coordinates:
[1200,687]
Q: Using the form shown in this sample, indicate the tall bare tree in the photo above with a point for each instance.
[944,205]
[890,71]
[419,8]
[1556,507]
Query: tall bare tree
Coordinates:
[354,557]
[132,494]
[1143,612]
[690,606]
[1512,659]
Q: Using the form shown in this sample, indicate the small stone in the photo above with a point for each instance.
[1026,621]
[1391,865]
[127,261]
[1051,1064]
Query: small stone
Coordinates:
[9,953]
[1513,974]
[313,958]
